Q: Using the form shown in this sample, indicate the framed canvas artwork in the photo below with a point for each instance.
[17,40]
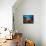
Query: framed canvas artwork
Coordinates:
[28,19]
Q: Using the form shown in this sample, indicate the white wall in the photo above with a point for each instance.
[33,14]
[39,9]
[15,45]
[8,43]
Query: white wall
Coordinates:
[31,31]
[38,9]
[6,13]
[43,22]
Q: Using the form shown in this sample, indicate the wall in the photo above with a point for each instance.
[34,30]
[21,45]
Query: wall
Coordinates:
[6,16]
[43,22]
[6,13]
[30,31]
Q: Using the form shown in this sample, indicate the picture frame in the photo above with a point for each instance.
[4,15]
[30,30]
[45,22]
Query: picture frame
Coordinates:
[28,19]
